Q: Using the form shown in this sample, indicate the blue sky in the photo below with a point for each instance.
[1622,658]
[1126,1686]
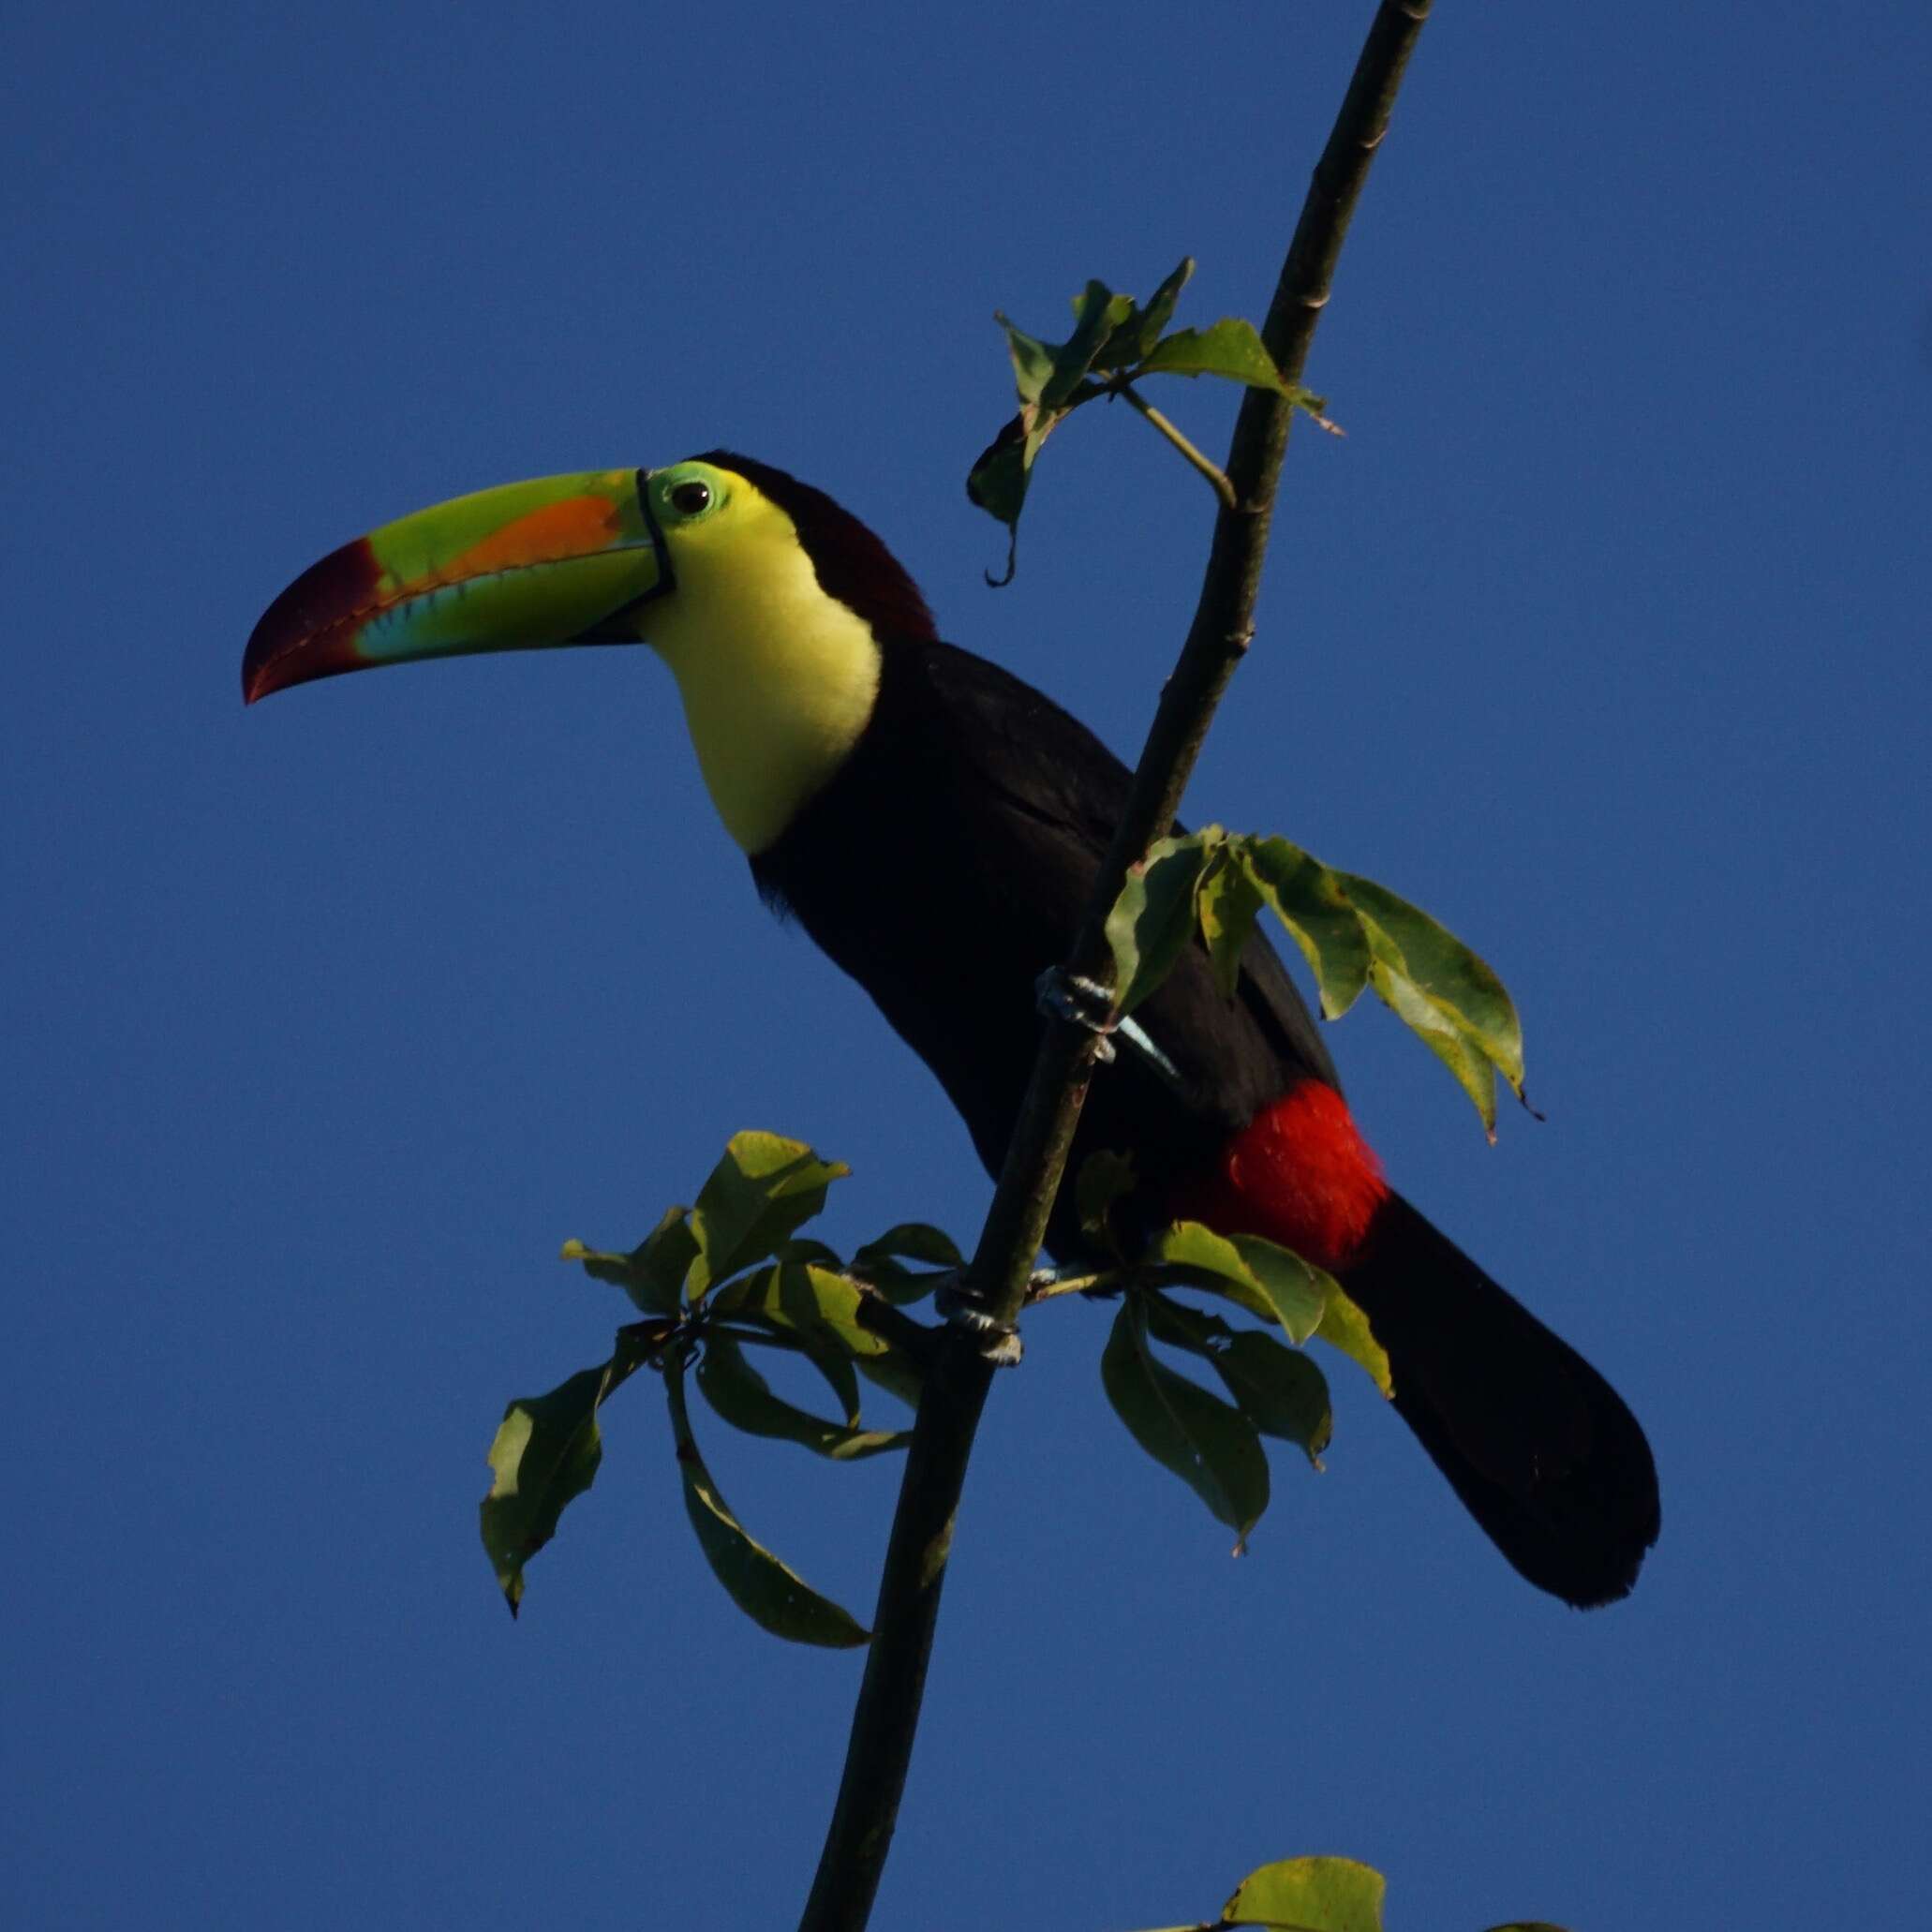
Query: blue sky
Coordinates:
[1602,634]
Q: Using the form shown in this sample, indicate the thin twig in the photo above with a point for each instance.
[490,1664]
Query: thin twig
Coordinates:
[956,1388]
[1216,476]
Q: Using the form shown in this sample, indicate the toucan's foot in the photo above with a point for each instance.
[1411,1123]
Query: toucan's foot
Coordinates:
[999,1341]
[1064,995]
[1087,1002]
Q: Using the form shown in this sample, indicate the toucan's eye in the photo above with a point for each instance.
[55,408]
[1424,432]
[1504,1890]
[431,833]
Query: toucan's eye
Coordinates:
[689,498]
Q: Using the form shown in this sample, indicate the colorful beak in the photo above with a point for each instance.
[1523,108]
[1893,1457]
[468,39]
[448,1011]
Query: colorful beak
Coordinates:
[527,565]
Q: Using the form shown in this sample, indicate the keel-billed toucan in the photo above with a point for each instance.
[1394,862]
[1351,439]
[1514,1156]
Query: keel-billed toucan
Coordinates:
[830,722]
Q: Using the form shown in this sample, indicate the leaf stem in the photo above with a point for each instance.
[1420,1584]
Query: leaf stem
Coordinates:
[887,1718]
[1216,476]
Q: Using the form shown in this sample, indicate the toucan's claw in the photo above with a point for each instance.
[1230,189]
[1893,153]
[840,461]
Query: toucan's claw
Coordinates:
[1085,1003]
[999,1341]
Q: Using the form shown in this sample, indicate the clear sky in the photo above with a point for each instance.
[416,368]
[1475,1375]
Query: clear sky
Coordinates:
[1602,634]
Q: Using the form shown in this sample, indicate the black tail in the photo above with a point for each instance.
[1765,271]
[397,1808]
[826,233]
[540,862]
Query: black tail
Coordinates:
[1538,1445]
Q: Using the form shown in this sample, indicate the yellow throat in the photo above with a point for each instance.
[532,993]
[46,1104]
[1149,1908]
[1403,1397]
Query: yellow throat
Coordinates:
[777,679]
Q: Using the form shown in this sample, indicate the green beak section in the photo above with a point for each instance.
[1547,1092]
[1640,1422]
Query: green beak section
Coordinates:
[517,567]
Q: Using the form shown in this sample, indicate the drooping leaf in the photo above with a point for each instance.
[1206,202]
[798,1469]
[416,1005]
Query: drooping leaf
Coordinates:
[1225,901]
[1104,1179]
[1441,1032]
[755,1299]
[653,1272]
[1263,1277]
[1309,1894]
[1463,987]
[767,1589]
[882,1261]
[1296,1289]
[1277,1387]
[744,1399]
[1309,900]
[914,1241]
[759,1193]
[1345,1328]
[1182,1326]
[998,480]
[1154,918]
[1447,971]
[800,1248]
[544,1455]
[1212,1447]
[1279,1391]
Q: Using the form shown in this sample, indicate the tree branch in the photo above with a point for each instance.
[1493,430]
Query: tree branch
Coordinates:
[956,1388]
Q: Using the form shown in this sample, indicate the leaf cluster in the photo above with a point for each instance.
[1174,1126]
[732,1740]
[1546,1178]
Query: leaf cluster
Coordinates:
[1353,933]
[1116,342]
[715,1283]
[1211,1442]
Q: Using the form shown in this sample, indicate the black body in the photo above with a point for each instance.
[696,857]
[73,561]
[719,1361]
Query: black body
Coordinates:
[947,864]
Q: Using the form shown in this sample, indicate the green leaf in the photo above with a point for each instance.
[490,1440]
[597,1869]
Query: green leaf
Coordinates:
[1181,1326]
[653,1272]
[1092,320]
[1277,1387]
[1263,1277]
[1345,1328]
[1309,1894]
[826,1310]
[1310,901]
[1154,918]
[1226,903]
[1136,330]
[801,1249]
[914,1241]
[757,1299]
[1447,971]
[1104,1179]
[1296,1290]
[545,1456]
[763,1190]
[767,1590]
[1231,348]
[1462,987]
[1033,363]
[1001,472]
[744,1399]
[882,1261]
[1442,1033]
[1279,1391]
[1213,1448]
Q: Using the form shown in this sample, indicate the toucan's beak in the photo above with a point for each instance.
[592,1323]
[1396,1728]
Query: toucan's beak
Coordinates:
[553,561]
